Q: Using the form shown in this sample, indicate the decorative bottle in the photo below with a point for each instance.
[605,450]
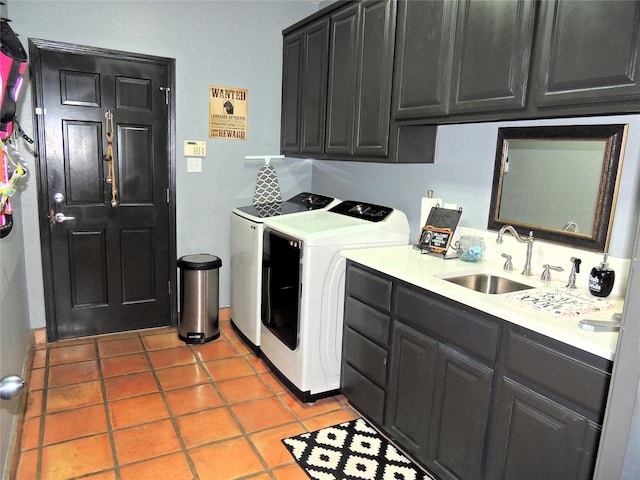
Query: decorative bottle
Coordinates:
[601,279]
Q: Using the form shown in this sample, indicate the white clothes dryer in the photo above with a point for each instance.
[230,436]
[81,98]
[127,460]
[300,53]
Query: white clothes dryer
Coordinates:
[303,289]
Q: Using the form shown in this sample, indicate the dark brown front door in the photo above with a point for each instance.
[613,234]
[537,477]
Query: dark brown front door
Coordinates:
[107,268]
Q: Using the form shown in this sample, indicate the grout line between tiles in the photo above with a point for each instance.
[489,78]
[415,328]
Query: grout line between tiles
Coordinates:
[43,414]
[172,417]
[105,404]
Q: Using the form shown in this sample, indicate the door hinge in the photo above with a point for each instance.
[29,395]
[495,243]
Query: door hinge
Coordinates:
[166,91]
[168,196]
[39,111]
[169,284]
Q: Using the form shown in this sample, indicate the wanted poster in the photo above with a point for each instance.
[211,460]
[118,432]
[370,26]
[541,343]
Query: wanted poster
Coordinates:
[228,112]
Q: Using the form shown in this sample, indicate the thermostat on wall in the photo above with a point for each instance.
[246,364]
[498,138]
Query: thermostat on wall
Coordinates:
[195,148]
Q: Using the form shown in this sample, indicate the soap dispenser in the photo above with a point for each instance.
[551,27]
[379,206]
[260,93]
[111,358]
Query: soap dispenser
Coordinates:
[601,279]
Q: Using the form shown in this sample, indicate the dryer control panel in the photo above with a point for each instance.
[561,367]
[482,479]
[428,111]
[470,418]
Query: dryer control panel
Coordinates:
[364,211]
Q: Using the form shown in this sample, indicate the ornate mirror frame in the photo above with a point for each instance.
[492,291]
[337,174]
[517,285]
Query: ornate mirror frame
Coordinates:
[613,136]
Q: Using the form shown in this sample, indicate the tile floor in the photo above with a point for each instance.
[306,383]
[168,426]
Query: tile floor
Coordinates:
[143,405]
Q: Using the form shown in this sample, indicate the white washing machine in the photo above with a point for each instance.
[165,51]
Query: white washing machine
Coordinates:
[246,257]
[303,289]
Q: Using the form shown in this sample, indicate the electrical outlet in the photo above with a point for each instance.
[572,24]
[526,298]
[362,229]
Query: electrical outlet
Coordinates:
[194,165]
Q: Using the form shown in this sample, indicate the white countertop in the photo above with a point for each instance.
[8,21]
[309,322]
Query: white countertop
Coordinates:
[423,270]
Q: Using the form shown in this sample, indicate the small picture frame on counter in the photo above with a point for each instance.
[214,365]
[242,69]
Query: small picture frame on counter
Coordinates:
[439,229]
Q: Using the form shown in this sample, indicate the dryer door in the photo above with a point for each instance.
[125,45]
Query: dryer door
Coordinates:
[281,288]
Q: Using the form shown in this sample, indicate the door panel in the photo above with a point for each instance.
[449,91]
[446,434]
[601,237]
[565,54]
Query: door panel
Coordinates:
[110,266]
[138,272]
[88,280]
[136,178]
[83,168]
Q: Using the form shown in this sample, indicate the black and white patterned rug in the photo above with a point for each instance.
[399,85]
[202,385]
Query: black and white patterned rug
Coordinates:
[351,451]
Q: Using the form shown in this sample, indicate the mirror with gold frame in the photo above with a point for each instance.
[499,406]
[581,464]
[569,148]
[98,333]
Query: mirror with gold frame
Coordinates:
[561,182]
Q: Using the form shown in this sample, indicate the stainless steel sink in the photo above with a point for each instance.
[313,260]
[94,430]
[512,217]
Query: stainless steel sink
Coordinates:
[487,283]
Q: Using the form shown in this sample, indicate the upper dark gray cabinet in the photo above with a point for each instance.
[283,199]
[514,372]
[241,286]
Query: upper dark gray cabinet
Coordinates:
[589,53]
[359,88]
[365,80]
[304,77]
[291,91]
[424,48]
[342,80]
[462,56]
[492,50]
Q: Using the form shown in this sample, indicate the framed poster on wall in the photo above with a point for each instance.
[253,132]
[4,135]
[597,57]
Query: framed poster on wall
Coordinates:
[228,112]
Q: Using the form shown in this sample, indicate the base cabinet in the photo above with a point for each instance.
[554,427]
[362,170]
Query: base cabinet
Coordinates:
[438,404]
[440,382]
[413,375]
[536,437]
[461,408]
[365,341]
[468,395]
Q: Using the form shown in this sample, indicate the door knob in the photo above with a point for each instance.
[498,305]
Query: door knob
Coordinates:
[10,386]
[61,217]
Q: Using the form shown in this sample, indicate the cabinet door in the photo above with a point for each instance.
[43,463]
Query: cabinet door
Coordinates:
[304,77]
[534,437]
[314,86]
[589,452]
[291,92]
[343,56]
[589,52]
[460,416]
[410,393]
[492,51]
[373,88]
[424,48]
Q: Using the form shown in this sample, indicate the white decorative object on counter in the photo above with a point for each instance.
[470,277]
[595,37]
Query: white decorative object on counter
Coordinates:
[559,301]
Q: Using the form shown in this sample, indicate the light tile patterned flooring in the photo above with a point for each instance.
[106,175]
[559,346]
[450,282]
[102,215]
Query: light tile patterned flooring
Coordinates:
[144,405]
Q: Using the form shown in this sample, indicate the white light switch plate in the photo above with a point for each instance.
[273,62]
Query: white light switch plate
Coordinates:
[194,164]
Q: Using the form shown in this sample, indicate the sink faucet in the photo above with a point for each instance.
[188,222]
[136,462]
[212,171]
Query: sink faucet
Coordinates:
[528,240]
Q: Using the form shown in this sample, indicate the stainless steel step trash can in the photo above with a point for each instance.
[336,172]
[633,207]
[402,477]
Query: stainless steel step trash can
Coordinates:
[199,276]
